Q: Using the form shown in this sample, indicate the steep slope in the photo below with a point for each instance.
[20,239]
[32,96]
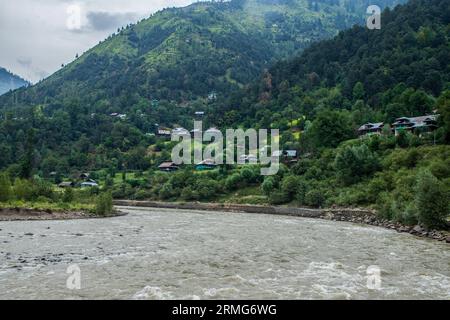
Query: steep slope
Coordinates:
[9,81]
[185,53]
[396,71]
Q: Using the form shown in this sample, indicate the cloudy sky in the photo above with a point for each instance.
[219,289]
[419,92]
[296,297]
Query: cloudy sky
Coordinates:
[36,37]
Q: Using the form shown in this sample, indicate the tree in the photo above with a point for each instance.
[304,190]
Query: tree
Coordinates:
[330,128]
[354,163]
[268,186]
[5,188]
[27,163]
[104,204]
[443,104]
[431,200]
[358,91]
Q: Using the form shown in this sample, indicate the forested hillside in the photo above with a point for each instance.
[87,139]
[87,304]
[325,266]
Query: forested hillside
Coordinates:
[317,99]
[9,81]
[183,54]
[379,75]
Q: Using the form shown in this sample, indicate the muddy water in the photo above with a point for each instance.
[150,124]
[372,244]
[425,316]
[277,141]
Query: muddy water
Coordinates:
[170,254]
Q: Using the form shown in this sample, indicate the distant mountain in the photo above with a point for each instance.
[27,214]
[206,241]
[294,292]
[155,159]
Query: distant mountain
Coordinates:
[9,81]
[182,54]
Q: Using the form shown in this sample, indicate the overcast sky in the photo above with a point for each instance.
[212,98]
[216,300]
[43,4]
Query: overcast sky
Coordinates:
[36,37]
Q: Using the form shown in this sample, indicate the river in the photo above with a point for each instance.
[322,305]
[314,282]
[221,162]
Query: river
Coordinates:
[170,254]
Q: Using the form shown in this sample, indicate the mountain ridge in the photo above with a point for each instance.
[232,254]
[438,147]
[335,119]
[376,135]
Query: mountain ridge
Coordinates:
[182,54]
[10,81]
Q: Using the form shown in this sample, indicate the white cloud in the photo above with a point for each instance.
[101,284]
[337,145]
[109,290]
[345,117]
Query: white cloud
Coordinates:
[35,39]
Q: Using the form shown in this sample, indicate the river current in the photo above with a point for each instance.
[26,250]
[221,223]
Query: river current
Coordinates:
[172,254]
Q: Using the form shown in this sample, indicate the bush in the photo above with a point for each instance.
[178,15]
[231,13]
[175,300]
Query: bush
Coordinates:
[23,190]
[233,182]
[189,194]
[68,195]
[268,186]
[289,186]
[353,163]
[208,188]
[104,205]
[302,190]
[315,198]
[166,191]
[5,188]
[278,197]
[431,200]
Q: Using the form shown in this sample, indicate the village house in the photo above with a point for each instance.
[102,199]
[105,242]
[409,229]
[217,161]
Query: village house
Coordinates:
[180,131]
[66,184]
[168,167]
[207,164]
[164,132]
[84,176]
[416,125]
[89,184]
[369,129]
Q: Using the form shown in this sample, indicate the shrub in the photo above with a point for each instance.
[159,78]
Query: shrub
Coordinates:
[5,188]
[289,186]
[141,195]
[23,190]
[278,197]
[431,200]
[68,195]
[268,186]
[233,182]
[302,190]
[166,191]
[188,194]
[208,188]
[104,205]
[315,198]
[353,163]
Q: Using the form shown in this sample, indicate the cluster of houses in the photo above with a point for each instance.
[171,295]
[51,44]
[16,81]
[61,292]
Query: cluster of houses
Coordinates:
[416,125]
[287,156]
[84,181]
[166,132]
[118,115]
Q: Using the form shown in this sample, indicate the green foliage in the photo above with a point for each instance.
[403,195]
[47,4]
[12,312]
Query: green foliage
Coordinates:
[330,128]
[233,182]
[315,198]
[103,204]
[269,185]
[290,186]
[431,200]
[5,188]
[68,195]
[354,163]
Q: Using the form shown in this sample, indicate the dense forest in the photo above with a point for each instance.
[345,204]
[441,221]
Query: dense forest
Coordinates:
[318,99]
[159,71]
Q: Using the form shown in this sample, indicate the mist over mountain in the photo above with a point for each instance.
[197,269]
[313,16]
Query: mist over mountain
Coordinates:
[9,81]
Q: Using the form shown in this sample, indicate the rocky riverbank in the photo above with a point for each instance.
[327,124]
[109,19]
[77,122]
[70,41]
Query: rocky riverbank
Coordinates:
[361,216]
[25,214]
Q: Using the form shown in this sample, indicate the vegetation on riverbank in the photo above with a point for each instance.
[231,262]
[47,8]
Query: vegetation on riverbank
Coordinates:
[42,195]
[317,100]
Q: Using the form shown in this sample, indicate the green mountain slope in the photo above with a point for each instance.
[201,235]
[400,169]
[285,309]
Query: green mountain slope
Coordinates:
[185,53]
[9,81]
[399,70]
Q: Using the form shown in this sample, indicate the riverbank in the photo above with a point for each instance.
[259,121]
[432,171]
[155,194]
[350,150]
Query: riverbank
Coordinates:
[26,214]
[360,216]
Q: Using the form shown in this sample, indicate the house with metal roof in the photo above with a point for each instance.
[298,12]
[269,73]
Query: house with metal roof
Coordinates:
[417,125]
[371,129]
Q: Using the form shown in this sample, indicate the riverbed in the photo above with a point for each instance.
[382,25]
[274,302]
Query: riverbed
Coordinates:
[174,254]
